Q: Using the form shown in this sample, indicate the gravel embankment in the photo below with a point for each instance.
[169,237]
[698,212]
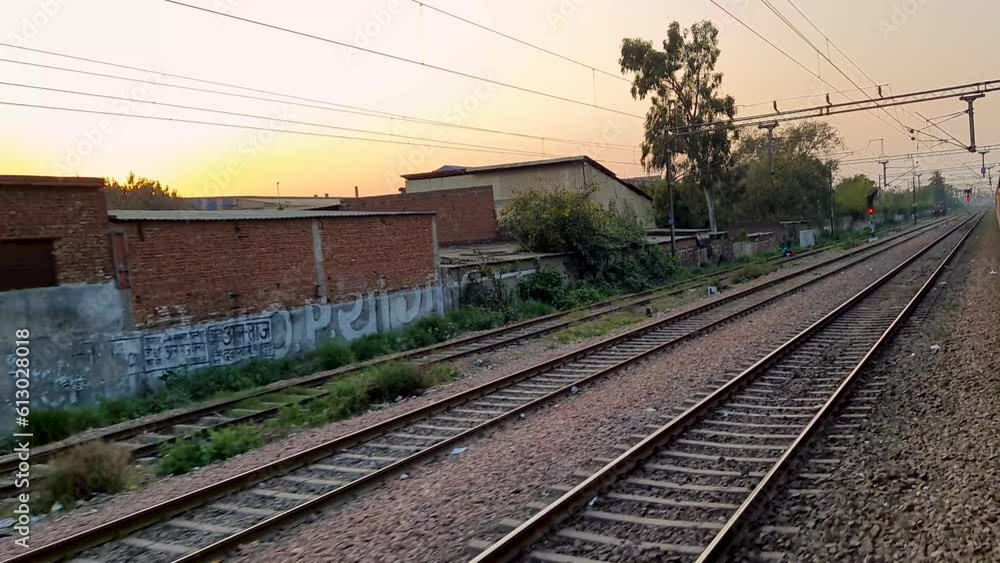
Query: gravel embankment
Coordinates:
[920,481]
[429,516]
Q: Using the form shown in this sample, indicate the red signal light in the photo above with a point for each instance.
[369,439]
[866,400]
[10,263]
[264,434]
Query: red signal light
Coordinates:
[871,210]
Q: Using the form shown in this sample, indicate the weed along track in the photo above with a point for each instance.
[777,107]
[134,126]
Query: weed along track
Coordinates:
[686,490]
[145,438]
[205,523]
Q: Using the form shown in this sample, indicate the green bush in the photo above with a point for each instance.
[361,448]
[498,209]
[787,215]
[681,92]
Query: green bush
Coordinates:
[475,318]
[55,424]
[531,309]
[547,285]
[182,456]
[225,443]
[333,355]
[372,346]
[583,295]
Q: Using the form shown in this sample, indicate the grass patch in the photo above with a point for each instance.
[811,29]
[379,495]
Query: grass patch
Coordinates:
[181,389]
[665,303]
[83,471]
[591,329]
[344,398]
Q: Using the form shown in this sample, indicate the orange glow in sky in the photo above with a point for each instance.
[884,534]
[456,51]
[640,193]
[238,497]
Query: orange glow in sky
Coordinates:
[909,44]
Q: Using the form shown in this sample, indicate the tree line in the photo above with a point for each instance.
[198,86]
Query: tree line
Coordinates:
[728,176]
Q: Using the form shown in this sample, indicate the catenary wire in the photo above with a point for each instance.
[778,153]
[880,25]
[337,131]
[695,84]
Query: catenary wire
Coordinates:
[353,110]
[405,59]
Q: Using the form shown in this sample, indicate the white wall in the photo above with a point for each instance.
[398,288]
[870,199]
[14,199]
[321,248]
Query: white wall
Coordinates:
[506,184]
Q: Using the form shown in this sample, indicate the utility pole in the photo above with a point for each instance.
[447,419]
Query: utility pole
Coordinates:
[770,145]
[915,188]
[833,221]
[971,99]
[885,173]
[670,187]
[670,196]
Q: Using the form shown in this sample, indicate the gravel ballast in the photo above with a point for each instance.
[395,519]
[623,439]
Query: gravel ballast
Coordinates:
[428,516]
[433,513]
[920,480]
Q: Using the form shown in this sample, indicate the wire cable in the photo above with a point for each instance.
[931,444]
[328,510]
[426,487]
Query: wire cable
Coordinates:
[252,127]
[352,110]
[271,118]
[405,59]
[521,41]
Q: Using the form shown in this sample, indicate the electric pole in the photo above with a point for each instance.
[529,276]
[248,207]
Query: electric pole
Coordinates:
[770,145]
[670,187]
[833,221]
[971,99]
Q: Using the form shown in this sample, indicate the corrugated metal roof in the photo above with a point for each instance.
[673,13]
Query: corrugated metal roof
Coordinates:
[51,181]
[244,215]
[448,170]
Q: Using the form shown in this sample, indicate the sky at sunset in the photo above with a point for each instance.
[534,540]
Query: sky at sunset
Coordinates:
[906,44]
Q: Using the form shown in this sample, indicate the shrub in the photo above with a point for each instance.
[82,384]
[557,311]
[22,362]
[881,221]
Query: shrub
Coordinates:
[225,443]
[333,355]
[372,346]
[181,456]
[81,472]
[55,424]
[475,318]
[547,285]
[583,295]
[393,380]
[530,309]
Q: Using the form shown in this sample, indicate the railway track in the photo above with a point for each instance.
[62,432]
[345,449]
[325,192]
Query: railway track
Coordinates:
[205,523]
[145,439]
[687,490]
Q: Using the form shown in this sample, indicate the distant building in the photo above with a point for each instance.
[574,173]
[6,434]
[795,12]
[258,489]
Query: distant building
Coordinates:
[508,179]
[231,203]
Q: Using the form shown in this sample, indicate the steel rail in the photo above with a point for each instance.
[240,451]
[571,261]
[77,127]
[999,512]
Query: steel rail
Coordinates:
[602,308]
[760,494]
[143,518]
[523,536]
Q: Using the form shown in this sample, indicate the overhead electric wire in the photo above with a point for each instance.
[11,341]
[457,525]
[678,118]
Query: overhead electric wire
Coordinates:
[271,118]
[794,28]
[768,4]
[520,41]
[789,57]
[802,97]
[352,110]
[405,59]
[256,128]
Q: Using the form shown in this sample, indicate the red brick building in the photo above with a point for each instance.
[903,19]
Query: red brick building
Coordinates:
[465,215]
[200,265]
[53,231]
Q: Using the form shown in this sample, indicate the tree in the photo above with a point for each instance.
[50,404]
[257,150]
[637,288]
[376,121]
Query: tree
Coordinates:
[684,92]
[141,193]
[850,196]
[805,139]
[796,185]
[608,245]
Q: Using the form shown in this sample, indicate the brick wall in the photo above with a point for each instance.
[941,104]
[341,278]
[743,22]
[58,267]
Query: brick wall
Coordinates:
[362,254]
[71,211]
[186,270]
[463,215]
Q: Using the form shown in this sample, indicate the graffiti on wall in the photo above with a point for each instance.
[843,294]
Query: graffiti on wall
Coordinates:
[271,335]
